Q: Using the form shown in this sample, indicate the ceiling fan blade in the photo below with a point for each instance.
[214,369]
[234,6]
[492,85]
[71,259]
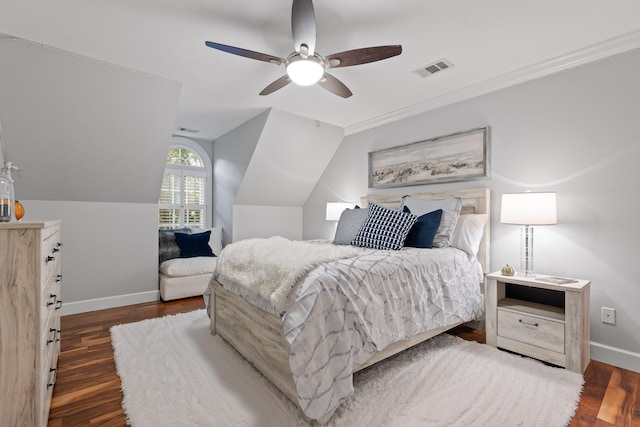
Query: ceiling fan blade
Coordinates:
[246,53]
[362,56]
[303,25]
[334,85]
[278,84]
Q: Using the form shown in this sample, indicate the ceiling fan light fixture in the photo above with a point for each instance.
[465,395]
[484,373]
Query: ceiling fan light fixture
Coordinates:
[304,71]
[305,67]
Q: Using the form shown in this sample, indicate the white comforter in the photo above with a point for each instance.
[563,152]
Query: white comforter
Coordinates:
[344,311]
[268,269]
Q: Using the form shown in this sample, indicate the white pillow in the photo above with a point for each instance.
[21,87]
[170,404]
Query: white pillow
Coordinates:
[215,240]
[450,212]
[468,233]
[179,267]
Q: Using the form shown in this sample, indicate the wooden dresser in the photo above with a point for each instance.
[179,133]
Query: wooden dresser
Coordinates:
[29,320]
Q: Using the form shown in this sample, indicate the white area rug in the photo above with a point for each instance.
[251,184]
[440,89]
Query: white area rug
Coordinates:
[175,373]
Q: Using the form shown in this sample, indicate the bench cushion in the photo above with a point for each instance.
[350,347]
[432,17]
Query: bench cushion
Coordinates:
[179,267]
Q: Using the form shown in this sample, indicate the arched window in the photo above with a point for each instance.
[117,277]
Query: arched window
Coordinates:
[186,187]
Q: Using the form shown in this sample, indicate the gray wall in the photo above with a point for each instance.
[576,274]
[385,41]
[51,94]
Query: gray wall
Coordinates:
[575,133]
[81,129]
[265,170]
[106,261]
[231,156]
[91,140]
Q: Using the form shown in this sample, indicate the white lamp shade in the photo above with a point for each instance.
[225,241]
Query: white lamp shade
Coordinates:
[335,209]
[305,72]
[529,208]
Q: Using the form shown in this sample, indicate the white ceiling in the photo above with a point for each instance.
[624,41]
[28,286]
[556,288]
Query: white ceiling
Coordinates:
[492,44]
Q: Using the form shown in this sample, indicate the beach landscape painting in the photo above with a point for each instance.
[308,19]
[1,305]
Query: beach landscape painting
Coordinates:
[457,157]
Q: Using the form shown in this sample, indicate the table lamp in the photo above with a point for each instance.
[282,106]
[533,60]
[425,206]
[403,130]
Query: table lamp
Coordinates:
[528,209]
[334,210]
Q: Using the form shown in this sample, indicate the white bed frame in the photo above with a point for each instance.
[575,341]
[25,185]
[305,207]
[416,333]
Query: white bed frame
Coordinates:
[257,334]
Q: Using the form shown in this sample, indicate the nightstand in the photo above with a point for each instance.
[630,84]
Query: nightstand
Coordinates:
[539,317]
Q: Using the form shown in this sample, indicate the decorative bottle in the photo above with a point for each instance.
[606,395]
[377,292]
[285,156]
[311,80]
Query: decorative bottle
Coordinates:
[6,193]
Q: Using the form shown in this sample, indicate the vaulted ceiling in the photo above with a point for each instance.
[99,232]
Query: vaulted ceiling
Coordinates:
[491,44]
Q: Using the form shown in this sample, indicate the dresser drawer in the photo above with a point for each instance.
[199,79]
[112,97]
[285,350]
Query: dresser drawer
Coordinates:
[49,377]
[50,350]
[50,254]
[51,338]
[543,333]
[50,305]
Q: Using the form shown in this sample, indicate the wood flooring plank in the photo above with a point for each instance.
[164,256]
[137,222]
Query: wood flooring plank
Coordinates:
[85,411]
[620,398]
[87,391]
[596,379]
[635,411]
[112,419]
[613,400]
[601,423]
[77,394]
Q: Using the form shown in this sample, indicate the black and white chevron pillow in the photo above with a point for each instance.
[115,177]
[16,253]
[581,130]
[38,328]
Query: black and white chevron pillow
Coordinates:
[384,228]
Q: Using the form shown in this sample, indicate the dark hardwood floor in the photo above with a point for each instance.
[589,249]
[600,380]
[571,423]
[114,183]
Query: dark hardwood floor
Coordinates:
[87,390]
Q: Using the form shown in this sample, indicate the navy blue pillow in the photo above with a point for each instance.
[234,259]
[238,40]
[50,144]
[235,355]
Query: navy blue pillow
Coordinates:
[192,245]
[424,230]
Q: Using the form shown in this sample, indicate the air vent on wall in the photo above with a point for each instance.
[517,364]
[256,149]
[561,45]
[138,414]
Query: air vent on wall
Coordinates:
[433,68]
[182,129]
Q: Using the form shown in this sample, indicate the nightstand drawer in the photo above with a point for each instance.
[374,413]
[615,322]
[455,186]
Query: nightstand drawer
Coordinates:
[543,333]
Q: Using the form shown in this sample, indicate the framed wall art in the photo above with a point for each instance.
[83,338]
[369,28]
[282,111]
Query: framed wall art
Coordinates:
[461,156]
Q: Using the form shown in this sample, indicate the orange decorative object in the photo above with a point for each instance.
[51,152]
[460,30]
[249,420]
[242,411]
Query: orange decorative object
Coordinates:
[19,210]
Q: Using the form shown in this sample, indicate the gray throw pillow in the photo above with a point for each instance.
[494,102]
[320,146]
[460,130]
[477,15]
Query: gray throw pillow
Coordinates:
[351,220]
[167,246]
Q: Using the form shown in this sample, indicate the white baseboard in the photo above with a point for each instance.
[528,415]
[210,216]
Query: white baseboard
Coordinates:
[615,356]
[108,302]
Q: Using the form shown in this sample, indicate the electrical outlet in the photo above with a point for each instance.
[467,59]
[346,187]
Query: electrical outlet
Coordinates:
[609,315]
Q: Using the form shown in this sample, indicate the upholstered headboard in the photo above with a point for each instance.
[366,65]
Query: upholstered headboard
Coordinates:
[474,201]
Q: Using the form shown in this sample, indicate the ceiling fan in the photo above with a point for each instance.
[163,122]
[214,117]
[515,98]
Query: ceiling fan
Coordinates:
[305,66]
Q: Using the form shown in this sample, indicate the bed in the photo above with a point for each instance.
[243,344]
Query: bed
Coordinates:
[269,338]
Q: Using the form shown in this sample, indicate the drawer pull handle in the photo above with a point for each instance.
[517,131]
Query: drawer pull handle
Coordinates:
[524,322]
[55,334]
[50,258]
[58,244]
[55,376]
[58,278]
[59,335]
[54,250]
[55,300]
[58,304]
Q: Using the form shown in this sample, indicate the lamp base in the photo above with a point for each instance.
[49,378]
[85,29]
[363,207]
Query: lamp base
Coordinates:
[526,251]
[526,273]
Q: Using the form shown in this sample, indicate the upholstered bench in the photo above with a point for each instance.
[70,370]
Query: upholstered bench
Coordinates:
[187,261]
